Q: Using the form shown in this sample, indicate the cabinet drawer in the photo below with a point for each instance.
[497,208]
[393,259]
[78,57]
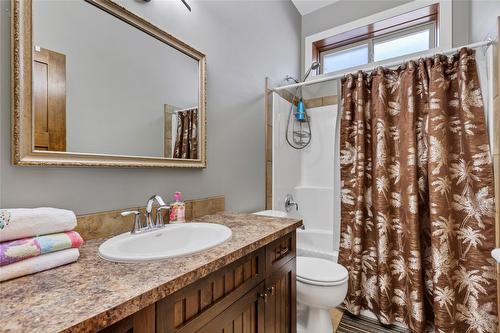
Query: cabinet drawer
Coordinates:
[280,252]
[192,307]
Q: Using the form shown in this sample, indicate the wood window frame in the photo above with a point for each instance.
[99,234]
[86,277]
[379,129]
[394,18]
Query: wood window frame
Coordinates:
[419,17]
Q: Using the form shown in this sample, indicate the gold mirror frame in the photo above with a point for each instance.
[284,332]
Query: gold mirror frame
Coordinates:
[23,153]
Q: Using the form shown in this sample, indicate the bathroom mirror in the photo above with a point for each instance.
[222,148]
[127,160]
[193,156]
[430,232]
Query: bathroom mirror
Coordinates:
[96,85]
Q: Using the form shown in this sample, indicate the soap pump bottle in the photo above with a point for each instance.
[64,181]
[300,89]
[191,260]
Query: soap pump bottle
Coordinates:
[178,210]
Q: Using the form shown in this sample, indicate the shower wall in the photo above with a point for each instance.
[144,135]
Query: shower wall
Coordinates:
[286,160]
[311,175]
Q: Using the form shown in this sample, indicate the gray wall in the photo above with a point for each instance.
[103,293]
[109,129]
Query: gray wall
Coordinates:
[483,18]
[244,41]
[342,12]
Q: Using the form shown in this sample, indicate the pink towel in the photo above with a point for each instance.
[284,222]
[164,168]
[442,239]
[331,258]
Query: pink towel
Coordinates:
[21,249]
[38,264]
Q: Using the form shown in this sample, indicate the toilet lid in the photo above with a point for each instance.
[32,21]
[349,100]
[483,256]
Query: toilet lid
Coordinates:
[320,271]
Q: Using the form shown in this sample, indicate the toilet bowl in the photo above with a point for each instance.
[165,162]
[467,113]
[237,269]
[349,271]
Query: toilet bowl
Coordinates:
[321,286]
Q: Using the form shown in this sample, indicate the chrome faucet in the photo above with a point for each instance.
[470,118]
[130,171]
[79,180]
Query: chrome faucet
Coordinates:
[289,203]
[149,208]
[150,223]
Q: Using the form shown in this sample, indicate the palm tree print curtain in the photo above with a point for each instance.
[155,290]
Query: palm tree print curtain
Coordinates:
[417,197]
[186,142]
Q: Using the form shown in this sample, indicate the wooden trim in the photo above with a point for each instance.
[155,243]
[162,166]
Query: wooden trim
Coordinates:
[268,110]
[21,95]
[496,164]
[420,16]
[111,223]
[321,101]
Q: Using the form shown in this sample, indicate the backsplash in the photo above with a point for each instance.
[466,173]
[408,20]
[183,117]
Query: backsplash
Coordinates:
[111,223]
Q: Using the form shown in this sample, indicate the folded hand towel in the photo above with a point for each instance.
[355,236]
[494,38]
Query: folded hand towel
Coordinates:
[38,264]
[21,249]
[21,223]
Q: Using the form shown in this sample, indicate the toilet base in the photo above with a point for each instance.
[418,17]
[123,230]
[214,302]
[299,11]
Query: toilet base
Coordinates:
[315,320]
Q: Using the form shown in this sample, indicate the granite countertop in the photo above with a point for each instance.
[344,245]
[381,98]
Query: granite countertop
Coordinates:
[93,293]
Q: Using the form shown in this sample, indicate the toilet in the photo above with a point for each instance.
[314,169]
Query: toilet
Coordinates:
[321,286]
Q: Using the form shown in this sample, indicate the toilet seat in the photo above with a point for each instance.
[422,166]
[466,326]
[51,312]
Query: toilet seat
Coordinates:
[320,272]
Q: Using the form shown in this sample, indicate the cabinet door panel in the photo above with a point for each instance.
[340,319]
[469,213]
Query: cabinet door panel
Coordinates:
[245,316]
[280,306]
[280,251]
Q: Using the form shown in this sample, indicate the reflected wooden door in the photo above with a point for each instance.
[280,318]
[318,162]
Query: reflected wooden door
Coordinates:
[49,100]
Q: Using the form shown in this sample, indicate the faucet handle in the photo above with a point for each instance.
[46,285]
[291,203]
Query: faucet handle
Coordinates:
[289,203]
[137,220]
[159,218]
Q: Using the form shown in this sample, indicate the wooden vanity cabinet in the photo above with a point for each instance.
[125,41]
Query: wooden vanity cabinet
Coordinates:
[254,294]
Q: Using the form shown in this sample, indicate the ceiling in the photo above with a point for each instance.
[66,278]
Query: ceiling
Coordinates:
[307,6]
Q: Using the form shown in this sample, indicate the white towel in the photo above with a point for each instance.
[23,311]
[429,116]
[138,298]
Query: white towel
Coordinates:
[38,264]
[21,222]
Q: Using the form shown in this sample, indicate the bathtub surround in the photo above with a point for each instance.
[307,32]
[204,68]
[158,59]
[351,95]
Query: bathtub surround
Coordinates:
[310,174]
[312,102]
[424,226]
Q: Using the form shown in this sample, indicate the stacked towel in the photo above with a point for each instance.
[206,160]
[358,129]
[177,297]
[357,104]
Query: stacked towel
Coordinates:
[33,240]
[38,264]
[21,223]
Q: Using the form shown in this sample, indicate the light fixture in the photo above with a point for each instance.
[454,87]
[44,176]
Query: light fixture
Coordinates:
[186,4]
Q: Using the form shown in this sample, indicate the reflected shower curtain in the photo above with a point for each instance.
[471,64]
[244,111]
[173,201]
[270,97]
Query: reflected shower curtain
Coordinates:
[186,142]
[417,197]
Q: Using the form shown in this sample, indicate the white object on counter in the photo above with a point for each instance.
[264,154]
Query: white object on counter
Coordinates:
[496,254]
[23,222]
[272,213]
[38,264]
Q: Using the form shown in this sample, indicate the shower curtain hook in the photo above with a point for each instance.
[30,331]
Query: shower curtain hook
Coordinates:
[490,40]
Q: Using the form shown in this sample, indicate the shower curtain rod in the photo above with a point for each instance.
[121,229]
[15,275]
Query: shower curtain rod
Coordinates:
[486,43]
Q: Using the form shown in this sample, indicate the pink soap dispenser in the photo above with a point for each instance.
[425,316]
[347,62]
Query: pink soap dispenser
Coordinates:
[178,210]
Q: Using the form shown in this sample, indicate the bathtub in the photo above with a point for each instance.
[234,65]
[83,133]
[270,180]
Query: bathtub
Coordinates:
[310,242]
[316,243]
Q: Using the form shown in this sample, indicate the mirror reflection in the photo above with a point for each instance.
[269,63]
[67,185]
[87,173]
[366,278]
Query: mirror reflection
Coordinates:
[102,86]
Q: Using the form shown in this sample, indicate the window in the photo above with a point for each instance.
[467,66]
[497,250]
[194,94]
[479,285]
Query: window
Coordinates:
[403,44]
[349,57]
[394,37]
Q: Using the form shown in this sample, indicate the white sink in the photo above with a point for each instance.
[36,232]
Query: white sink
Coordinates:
[174,240]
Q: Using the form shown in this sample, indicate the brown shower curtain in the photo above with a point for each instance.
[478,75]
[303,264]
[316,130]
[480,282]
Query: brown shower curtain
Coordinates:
[186,142]
[417,197]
